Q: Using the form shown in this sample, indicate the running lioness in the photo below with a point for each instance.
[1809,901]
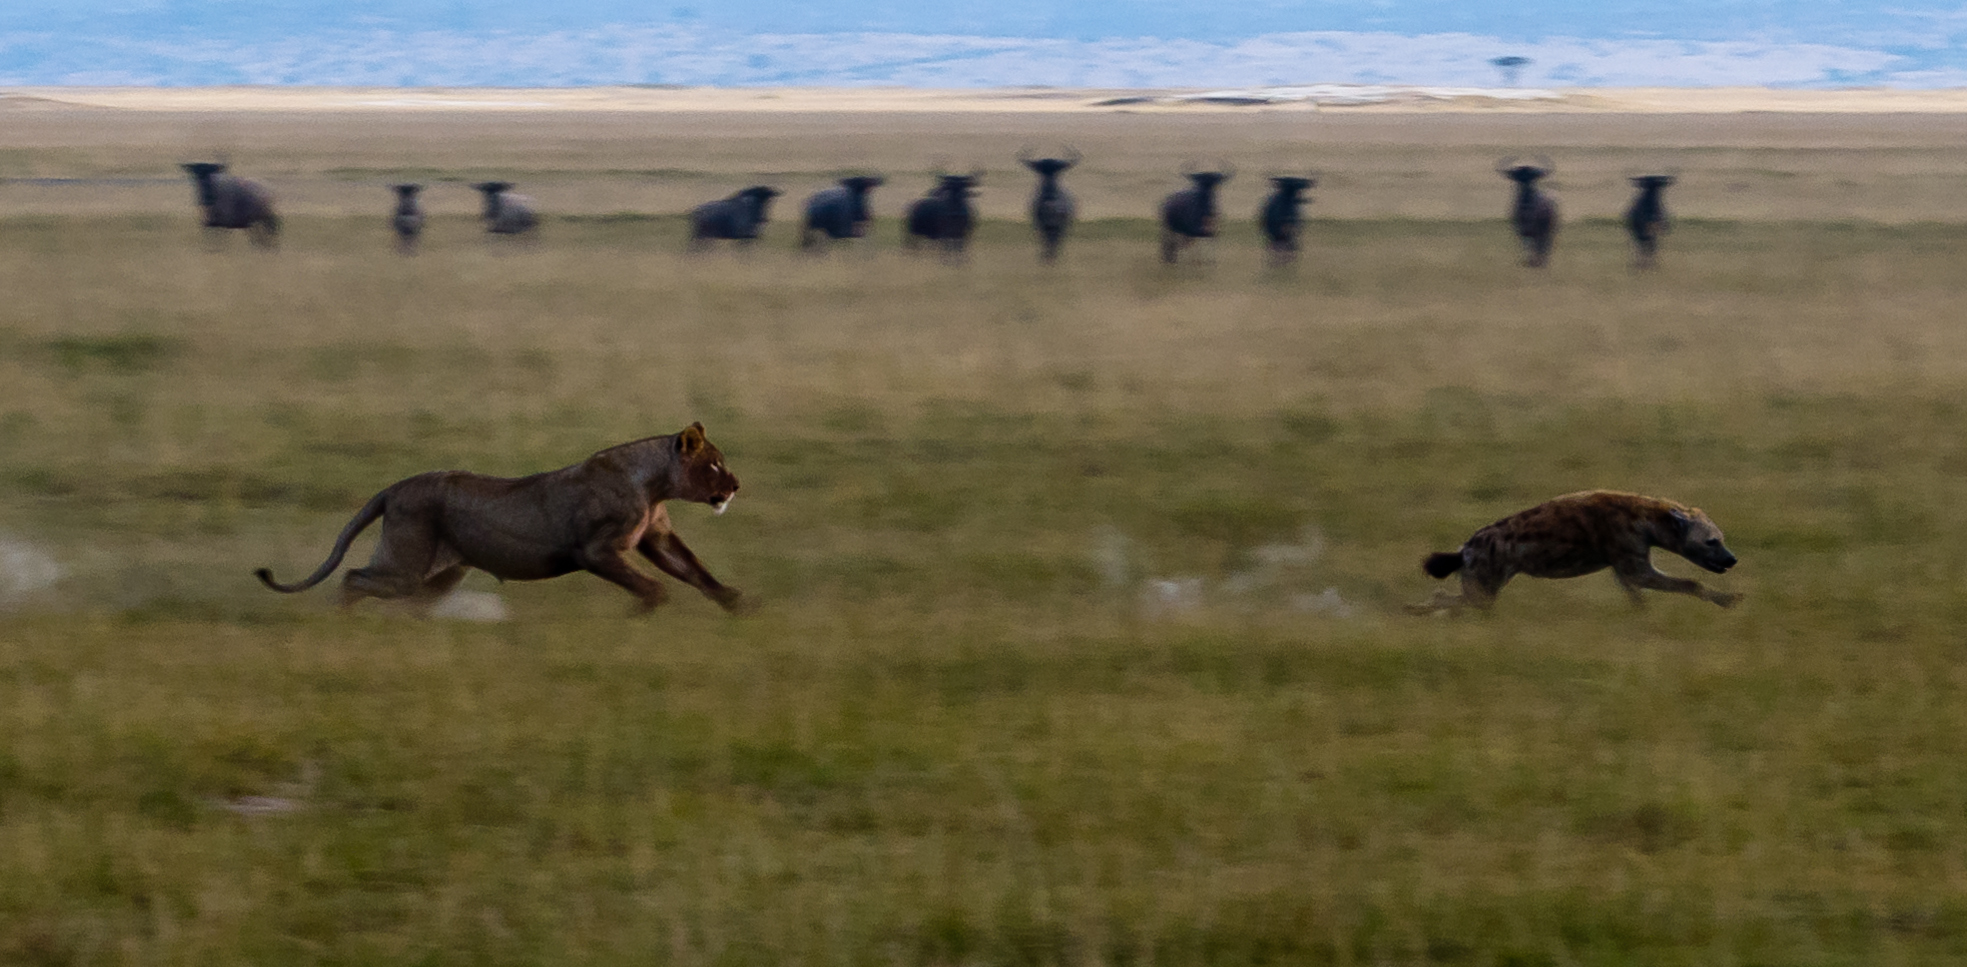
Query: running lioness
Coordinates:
[587,517]
[1579,534]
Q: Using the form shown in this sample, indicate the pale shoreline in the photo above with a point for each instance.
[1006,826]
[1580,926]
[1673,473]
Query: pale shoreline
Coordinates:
[1719,100]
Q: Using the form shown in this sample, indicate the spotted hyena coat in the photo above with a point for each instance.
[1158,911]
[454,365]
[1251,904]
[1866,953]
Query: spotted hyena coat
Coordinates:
[1579,534]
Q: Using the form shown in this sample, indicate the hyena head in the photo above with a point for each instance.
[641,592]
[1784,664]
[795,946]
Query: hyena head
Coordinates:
[1693,536]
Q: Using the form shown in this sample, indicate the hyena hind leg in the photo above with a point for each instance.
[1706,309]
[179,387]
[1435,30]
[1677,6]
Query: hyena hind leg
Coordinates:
[1455,602]
[1443,600]
[1478,591]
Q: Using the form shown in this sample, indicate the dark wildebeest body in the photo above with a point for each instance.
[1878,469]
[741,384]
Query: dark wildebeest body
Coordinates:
[507,213]
[230,201]
[1533,214]
[739,217]
[1647,218]
[1280,218]
[840,211]
[944,214]
[407,220]
[1190,214]
[1051,205]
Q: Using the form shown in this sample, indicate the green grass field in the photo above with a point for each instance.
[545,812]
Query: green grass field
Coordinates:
[1080,638]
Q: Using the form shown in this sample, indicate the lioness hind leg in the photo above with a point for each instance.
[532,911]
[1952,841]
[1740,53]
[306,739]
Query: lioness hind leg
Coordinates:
[370,582]
[405,558]
[668,552]
[436,586]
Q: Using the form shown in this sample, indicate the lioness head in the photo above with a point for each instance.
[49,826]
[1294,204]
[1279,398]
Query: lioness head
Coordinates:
[700,471]
[1693,536]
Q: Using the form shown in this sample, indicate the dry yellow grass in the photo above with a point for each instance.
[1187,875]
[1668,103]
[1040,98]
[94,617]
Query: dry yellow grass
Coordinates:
[967,728]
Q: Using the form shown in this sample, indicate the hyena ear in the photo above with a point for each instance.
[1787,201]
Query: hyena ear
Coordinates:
[690,440]
[1680,522]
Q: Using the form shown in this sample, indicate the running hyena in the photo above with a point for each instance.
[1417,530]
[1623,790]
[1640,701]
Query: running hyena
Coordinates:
[1578,534]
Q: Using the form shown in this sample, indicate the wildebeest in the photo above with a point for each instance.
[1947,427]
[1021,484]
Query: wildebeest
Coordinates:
[507,213]
[840,211]
[230,201]
[1051,205]
[738,217]
[944,214]
[1190,214]
[1647,219]
[407,220]
[1280,218]
[1533,214]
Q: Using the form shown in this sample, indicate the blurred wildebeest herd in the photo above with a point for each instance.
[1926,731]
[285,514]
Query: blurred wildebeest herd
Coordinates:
[945,214]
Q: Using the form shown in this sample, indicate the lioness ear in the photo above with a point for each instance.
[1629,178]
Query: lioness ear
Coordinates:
[691,439]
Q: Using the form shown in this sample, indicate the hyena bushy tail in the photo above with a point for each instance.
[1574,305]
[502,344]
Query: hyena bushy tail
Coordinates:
[1443,564]
[369,513]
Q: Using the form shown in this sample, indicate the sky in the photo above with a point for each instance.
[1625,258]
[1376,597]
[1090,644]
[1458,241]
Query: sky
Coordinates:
[1114,43]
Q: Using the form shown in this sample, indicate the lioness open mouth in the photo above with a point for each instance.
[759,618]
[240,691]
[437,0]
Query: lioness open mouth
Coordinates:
[721,504]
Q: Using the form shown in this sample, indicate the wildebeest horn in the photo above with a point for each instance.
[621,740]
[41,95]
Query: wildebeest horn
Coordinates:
[1024,155]
[1503,166]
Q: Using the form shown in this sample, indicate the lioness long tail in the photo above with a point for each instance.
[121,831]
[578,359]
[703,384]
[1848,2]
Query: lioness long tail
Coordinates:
[1443,564]
[363,518]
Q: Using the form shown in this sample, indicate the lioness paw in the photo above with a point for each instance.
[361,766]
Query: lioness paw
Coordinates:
[737,602]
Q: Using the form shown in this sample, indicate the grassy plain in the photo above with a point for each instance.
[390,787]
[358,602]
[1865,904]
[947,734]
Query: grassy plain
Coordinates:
[968,725]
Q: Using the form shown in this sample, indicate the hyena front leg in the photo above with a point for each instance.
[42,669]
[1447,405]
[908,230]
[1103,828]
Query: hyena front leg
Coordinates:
[1635,575]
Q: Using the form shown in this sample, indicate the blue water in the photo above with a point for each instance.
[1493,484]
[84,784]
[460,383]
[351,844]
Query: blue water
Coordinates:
[1114,43]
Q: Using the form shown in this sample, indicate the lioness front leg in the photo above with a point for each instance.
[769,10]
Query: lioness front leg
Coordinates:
[1632,578]
[609,564]
[668,552]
